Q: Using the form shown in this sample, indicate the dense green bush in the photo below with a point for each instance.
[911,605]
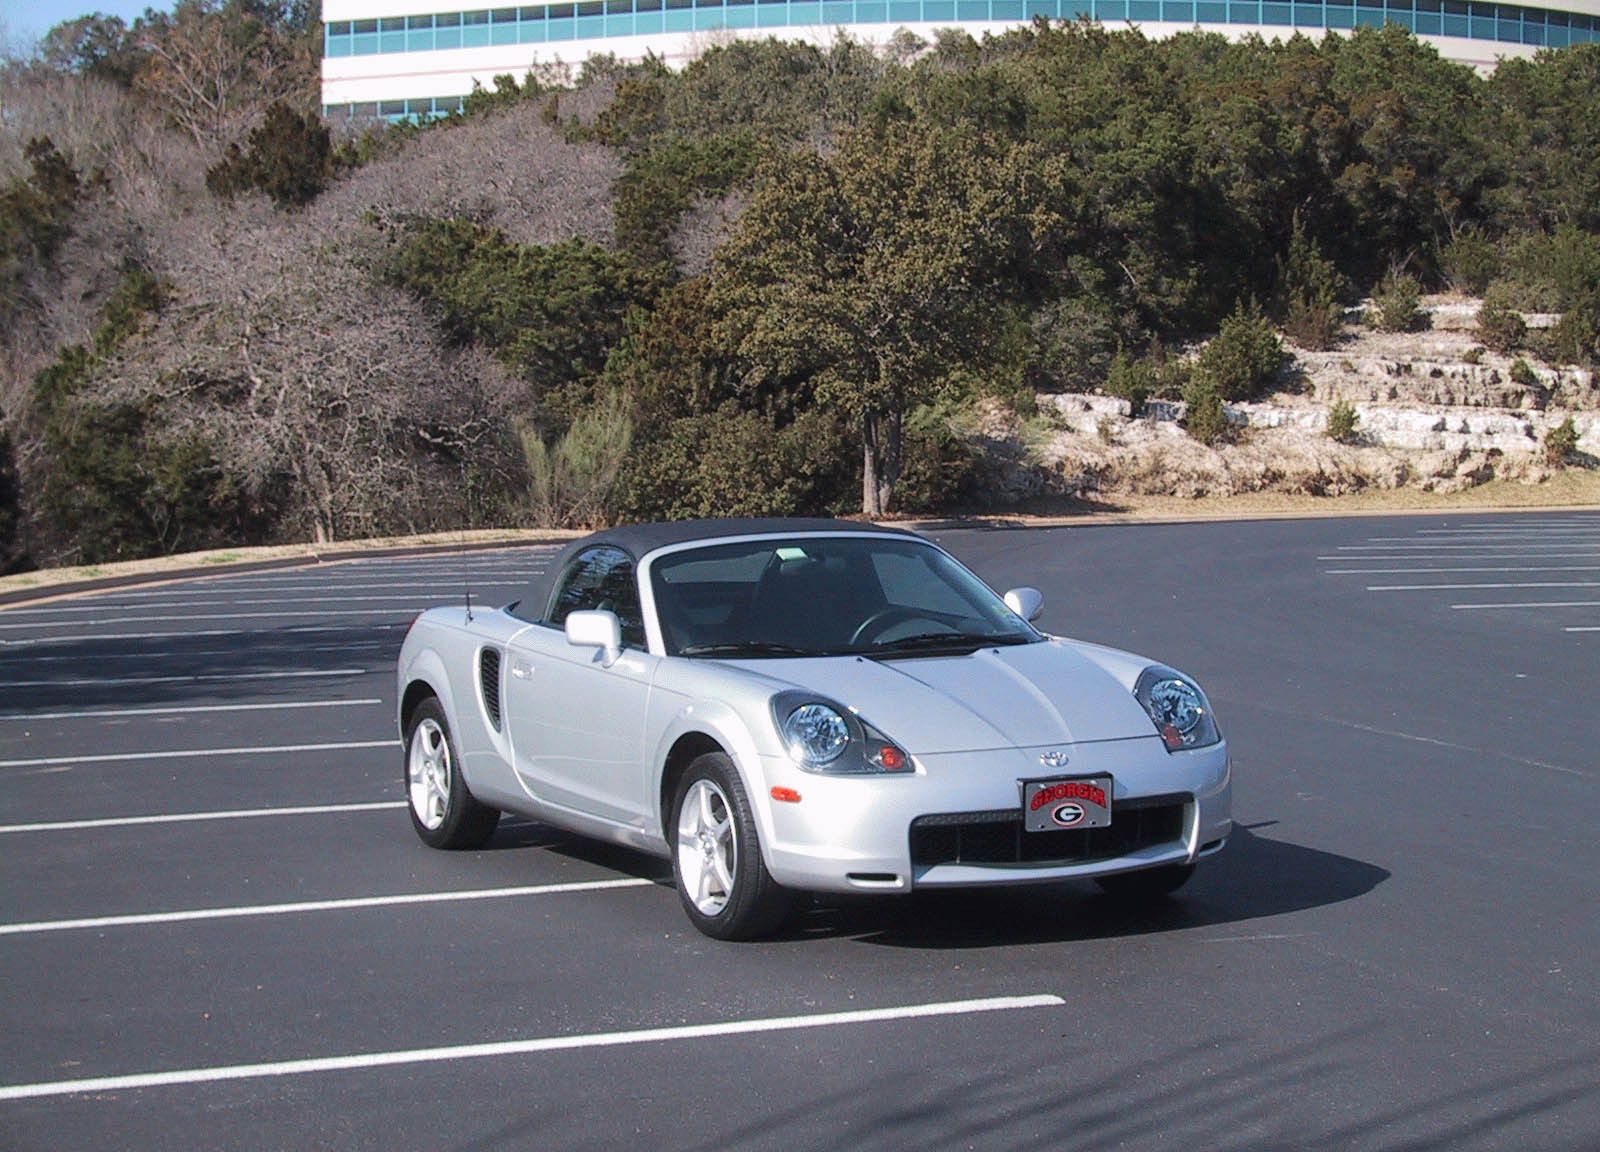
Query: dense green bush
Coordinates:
[1469,261]
[734,462]
[289,156]
[1132,380]
[1500,326]
[551,313]
[1205,419]
[1309,288]
[1394,303]
[1576,337]
[1245,358]
[1342,421]
[1560,443]
[10,501]
[662,182]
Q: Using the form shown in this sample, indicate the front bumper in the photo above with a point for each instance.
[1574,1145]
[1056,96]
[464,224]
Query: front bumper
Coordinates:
[855,833]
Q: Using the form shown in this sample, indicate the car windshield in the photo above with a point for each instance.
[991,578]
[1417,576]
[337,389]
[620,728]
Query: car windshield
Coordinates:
[878,596]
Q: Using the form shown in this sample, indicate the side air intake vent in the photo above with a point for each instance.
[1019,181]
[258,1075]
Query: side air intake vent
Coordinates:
[489,682]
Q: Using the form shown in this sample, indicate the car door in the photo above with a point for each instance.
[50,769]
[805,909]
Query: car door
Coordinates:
[577,726]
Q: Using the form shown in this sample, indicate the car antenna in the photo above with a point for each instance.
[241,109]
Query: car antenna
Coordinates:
[468,585]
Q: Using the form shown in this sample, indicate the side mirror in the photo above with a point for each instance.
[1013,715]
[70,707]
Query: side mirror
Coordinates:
[1026,602]
[600,630]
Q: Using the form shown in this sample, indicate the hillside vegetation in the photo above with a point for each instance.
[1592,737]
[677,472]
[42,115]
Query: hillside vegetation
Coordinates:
[783,279]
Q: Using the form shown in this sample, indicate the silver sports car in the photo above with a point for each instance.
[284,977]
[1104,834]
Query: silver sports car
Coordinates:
[783,706]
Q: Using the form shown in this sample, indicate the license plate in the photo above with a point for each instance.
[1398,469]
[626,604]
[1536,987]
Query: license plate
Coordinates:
[1066,802]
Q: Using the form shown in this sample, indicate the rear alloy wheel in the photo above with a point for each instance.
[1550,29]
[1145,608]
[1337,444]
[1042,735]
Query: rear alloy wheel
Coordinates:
[444,811]
[1147,884]
[716,861]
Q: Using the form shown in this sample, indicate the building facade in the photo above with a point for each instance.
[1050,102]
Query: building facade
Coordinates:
[418,58]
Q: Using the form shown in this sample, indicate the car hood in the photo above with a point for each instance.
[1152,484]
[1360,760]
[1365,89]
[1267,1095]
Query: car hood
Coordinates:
[1022,696]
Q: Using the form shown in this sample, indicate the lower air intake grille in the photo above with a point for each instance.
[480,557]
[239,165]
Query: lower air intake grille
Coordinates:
[998,837]
[489,681]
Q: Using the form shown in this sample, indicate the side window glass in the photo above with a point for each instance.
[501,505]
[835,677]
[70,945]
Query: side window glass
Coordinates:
[603,579]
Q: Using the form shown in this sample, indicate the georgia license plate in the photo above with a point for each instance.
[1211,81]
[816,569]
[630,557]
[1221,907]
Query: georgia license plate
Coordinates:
[1071,802]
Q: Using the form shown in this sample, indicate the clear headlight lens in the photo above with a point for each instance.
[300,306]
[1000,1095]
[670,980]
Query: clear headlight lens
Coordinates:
[1178,709]
[824,736]
[816,734]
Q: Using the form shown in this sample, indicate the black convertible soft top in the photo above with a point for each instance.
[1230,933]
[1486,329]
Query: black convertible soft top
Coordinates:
[637,540]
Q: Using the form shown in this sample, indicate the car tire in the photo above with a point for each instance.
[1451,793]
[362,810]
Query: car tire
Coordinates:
[443,809]
[1147,884]
[716,855]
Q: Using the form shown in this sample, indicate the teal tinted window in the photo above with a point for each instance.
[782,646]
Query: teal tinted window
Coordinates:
[1211,12]
[972,9]
[1308,16]
[1145,11]
[1341,16]
[1277,14]
[1177,11]
[998,9]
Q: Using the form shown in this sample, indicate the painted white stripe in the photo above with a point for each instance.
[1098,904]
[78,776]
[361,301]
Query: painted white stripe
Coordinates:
[190,678]
[99,713]
[198,753]
[432,587]
[1530,530]
[1584,628]
[208,616]
[1419,571]
[1466,587]
[527,1047]
[199,817]
[1535,604]
[66,609]
[1435,557]
[194,633]
[1442,546]
[150,655]
[303,906]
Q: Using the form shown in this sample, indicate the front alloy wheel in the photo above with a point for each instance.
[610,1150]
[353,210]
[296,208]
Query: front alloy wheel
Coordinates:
[444,811]
[716,861]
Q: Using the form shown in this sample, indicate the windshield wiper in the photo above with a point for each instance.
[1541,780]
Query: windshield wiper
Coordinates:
[747,648]
[957,641]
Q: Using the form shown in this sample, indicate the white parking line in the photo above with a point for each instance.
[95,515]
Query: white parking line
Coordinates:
[1444,546]
[1438,571]
[421,587]
[295,909]
[64,609]
[1583,628]
[526,1047]
[1535,604]
[194,633]
[199,817]
[189,678]
[197,753]
[1508,554]
[208,616]
[100,713]
[150,655]
[1468,587]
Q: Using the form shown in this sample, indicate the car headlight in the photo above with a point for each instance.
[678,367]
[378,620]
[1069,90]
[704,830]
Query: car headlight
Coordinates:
[820,736]
[1177,708]
[816,734]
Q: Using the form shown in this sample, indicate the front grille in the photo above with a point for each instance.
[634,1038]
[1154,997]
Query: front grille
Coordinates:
[997,837]
[489,681]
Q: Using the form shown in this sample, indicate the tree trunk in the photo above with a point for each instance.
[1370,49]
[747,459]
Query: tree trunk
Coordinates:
[880,461]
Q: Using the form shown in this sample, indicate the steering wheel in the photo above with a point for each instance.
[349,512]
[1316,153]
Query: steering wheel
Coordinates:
[884,618]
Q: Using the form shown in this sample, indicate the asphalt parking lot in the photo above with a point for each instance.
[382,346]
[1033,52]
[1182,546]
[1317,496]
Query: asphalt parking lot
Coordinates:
[219,932]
